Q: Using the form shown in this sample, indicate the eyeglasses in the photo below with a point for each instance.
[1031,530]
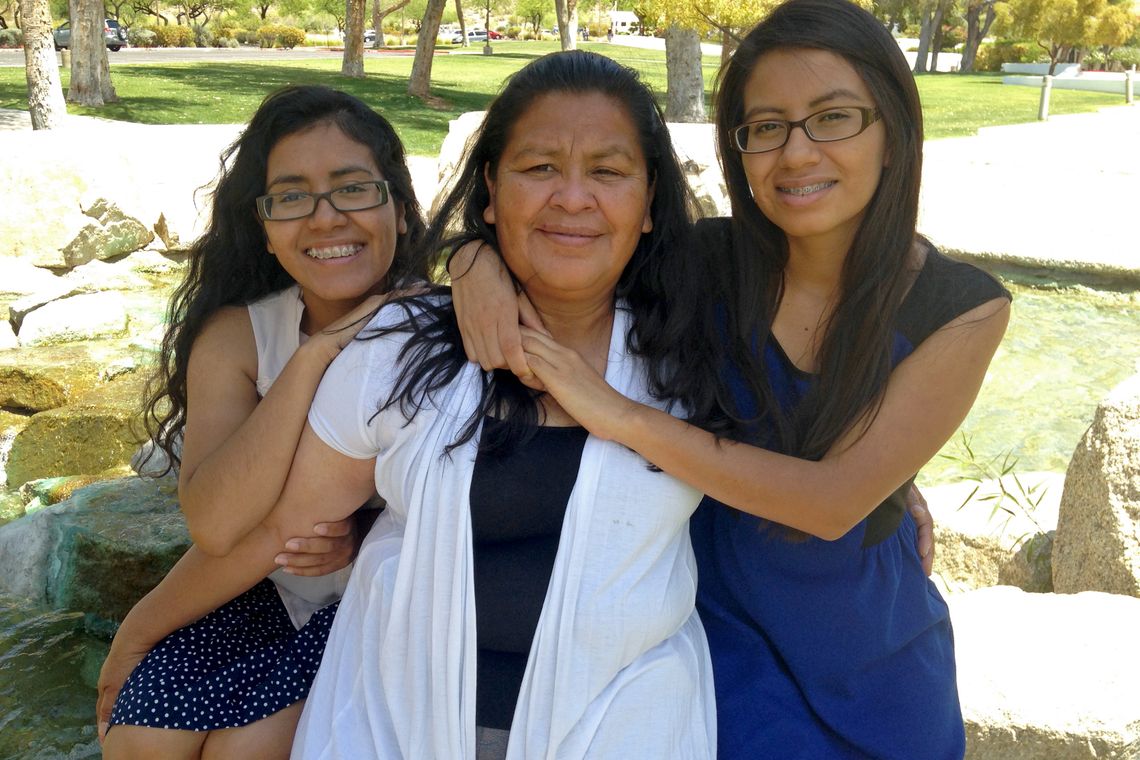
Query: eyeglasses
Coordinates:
[829,125]
[358,196]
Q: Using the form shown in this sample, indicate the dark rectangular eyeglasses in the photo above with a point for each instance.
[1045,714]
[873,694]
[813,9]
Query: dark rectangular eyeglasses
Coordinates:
[294,204]
[829,125]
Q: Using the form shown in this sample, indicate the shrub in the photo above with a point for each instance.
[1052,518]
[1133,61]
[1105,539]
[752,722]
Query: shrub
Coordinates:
[227,43]
[290,37]
[172,35]
[276,35]
[991,57]
[203,37]
[1126,56]
[10,38]
[513,32]
[142,37]
[246,36]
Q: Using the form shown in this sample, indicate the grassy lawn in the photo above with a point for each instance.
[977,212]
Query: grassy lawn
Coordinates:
[219,93]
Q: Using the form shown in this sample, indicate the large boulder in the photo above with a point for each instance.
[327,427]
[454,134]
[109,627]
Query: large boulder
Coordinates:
[98,551]
[1098,530]
[1047,676]
[978,546]
[47,377]
[77,318]
[93,435]
[111,233]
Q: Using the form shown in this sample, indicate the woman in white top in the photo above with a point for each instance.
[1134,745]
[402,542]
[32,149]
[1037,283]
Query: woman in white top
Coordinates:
[462,578]
[313,214]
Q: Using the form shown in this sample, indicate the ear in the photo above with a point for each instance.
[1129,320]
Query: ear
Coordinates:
[647,221]
[489,212]
[401,219]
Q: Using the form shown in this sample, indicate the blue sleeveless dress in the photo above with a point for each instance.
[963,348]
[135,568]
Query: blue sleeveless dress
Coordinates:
[840,649]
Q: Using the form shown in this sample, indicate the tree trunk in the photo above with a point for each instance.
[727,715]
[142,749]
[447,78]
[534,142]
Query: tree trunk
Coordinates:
[462,22]
[90,69]
[419,81]
[685,96]
[936,40]
[925,31]
[728,45]
[352,63]
[45,94]
[567,13]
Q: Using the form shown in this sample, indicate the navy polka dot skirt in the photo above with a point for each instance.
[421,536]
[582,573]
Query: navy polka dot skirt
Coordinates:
[241,663]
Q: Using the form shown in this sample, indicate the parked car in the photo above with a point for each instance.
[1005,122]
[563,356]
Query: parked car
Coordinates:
[495,35]
[115,35]
[369,36]
[473,35]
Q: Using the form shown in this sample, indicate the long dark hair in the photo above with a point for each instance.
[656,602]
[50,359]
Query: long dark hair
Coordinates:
[229,266]
[854,358]
[662,284]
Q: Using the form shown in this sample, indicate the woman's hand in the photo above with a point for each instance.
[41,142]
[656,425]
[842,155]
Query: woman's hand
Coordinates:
[575,385]
[126,652]
[332,547]
[489,309]
[924,522]
[337,335]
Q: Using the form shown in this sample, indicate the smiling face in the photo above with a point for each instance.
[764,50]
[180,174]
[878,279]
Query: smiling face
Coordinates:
[815,192]
[337,257]
[570,197]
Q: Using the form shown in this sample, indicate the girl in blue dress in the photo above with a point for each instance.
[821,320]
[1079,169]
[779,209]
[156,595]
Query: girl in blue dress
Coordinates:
[852,351]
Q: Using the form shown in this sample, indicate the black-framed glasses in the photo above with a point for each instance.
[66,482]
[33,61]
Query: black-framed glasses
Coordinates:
[829,125]
[294,204]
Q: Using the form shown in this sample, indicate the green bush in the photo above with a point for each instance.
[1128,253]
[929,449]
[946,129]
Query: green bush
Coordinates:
[276,35]
[10,38]
[513,32]
[172,35]
[246,36]
[1126,56]
[203,37]
[227,43]
[142,37]
[991,57]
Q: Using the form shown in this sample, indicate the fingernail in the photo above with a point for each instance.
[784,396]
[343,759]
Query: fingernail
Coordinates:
[293,545]
[321,529]
[280,559]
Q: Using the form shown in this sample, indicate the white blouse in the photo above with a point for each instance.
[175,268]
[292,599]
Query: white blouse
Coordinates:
[619,667]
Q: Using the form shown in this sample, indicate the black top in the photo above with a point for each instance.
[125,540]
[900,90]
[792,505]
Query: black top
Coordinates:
[518,501]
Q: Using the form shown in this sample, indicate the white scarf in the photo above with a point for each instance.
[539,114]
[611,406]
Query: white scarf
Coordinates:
[619,667]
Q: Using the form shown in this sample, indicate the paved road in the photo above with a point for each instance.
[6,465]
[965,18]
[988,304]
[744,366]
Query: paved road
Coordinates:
[10,57]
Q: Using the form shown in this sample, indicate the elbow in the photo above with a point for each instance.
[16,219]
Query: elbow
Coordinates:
[210,541]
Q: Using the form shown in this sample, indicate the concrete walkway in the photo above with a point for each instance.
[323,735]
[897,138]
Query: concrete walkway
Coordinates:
[1062,194]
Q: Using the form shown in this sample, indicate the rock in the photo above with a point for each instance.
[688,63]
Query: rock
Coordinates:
[46,377]
[73,440]
[81,317]
[112,234]
[99,551]
[8,337]
[20,278]
[978,548]
[57,288]
[168,236]
[695,145]
[10,426]
[1047,676]
[1098,531]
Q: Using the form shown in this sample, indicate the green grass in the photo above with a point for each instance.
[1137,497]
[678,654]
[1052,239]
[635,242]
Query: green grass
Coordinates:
[220,93]
[956,105]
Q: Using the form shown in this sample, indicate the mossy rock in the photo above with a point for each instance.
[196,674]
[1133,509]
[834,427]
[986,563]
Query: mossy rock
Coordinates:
[73,440]
[36,379]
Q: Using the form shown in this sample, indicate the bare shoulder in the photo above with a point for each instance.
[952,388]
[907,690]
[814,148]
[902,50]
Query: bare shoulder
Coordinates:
[226,343]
